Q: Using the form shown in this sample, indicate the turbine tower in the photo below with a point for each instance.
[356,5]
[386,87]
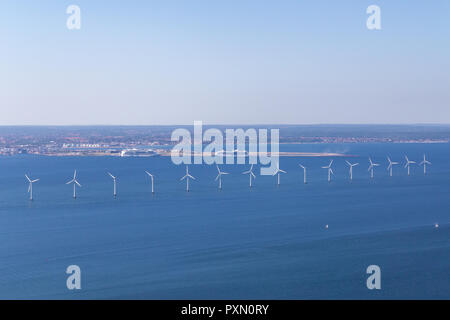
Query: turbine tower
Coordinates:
[408,163]
[187,176]
[304,173]
[371,166]
[115,184]
[30,186]
[151,177]
[424,163]
[75,184]
[351,168]
[219,176]
[330,171]
[251,174]
[277,172]
[391,164]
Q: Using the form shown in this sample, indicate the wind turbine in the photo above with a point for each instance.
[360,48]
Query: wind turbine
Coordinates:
[408,163]
[330,171]
[391,164]
[115,184]
[371,166]
[251,174]
[30,186]
[304,173]
[219,176]
[187,176]
[151,177]
[424,163]
[277,172]
[351,168]
[75,184]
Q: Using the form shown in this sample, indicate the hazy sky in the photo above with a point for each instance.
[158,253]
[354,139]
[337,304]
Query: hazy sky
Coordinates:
[224,61]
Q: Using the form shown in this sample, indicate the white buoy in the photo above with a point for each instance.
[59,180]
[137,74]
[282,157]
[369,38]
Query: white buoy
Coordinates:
[326,226]
[436,225]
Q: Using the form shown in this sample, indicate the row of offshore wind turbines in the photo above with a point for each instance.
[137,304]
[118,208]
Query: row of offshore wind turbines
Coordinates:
[252,176]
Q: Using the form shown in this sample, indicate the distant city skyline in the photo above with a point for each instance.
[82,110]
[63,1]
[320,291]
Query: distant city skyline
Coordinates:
[224,62]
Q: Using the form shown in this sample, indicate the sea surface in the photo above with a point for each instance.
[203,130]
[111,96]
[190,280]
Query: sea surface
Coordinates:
[265,243]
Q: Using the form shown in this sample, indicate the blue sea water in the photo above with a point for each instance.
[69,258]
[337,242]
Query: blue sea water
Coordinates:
[266,243]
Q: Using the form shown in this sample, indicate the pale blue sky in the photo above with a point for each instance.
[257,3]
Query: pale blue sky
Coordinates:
[224,62]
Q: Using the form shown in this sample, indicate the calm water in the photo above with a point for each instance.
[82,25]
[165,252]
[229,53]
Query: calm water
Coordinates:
[270,242]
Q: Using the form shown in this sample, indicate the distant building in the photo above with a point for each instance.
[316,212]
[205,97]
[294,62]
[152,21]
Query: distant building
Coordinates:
[137,153]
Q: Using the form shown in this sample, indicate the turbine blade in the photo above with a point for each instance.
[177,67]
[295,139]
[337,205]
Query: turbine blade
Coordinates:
[77,183]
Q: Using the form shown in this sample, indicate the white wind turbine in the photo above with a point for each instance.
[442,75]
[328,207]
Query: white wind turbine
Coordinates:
[330,171]
[304,173]
[424,163]
[391,164]
[371,166]
[408,163]
[219,176]
[278,171]
[151,177]
[351,168]
[75,184]
[187,176]
[115,184]
[251,174]
[30,186]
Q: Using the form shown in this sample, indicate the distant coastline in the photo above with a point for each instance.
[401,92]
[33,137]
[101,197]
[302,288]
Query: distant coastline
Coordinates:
[113,140]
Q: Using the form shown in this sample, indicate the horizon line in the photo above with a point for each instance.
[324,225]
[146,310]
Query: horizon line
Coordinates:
[230,124]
